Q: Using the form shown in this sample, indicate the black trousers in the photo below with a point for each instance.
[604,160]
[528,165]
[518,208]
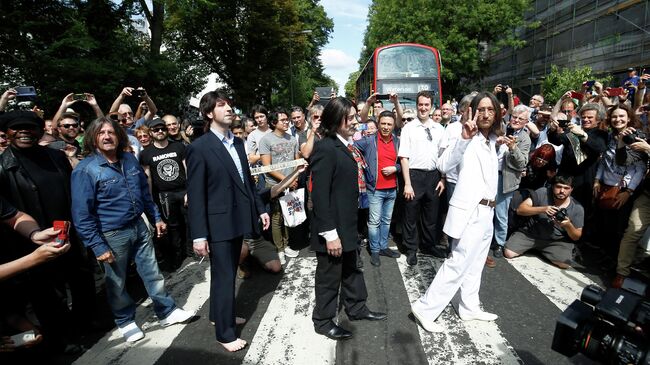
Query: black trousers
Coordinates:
[224,258]
[174,214]
[333,273]
[423,208]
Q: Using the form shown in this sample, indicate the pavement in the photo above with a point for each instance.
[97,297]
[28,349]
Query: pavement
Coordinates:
[527,293]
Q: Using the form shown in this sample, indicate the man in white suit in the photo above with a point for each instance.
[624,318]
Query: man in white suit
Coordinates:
[469,220]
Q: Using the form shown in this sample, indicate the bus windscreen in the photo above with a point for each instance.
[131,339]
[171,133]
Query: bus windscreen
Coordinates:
[406,62]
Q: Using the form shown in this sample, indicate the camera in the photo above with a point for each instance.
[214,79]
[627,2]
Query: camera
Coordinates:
[140,92]
[607,326]
[25,93]
[563,123]
[77,97]
[631,138]
[561,215]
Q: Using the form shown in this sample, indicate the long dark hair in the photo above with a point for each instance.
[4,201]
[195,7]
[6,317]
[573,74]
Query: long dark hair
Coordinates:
[90,138]
[496,126]
[335,111]
[632,120]
[207,104]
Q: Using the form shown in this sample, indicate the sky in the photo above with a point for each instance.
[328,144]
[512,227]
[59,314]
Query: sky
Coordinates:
[341,54]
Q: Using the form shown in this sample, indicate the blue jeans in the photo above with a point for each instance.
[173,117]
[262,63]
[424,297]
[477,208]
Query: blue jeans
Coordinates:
[380,211]
[501,213]
[133,242]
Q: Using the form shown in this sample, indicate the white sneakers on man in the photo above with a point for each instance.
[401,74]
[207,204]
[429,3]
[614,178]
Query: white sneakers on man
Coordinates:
[176,316]
[131,332]
[479,316]
[289,252]
[428,325]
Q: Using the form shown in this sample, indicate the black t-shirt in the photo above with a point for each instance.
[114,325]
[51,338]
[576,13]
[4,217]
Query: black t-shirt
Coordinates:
[165,166]
[6,210]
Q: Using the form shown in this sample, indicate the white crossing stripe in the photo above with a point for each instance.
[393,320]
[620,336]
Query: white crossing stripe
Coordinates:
[561,287]
[286,333]
[190,287]
[462,342]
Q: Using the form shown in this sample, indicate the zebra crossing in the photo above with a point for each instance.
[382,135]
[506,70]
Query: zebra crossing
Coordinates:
[527,293]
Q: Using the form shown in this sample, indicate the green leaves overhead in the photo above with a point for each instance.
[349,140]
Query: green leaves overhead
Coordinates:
[456,28]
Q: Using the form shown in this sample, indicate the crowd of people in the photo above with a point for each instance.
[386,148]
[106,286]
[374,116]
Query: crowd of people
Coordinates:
[472,181]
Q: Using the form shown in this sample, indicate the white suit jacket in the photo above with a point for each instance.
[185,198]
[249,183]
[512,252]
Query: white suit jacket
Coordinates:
[478,166]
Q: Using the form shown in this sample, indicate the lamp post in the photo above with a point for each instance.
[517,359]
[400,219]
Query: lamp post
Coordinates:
[291,34]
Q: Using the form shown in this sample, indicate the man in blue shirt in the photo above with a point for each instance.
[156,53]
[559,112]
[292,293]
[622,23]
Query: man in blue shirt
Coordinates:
[111,193]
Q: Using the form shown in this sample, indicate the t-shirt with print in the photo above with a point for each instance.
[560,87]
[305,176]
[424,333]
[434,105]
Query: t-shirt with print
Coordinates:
[165,166]
[281,149]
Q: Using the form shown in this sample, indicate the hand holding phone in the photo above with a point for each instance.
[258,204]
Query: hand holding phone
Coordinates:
[64,229]
[23,338]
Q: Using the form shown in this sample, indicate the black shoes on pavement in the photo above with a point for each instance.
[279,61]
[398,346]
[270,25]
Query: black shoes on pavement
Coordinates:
[337,333]
[389,253]
[369,316]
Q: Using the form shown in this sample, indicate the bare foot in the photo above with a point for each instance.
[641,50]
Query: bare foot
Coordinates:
[240,320]
[236,345]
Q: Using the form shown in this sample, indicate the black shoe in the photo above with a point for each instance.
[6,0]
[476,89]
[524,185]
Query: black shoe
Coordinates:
[374,259]
[359,263]
[370,316]
[411,258]
[434,251]
[497,253]
[337,333]
[389,253]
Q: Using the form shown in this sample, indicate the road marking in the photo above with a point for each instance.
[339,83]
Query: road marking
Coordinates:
[190,287]
[462,342]
[561,287]
[286,333]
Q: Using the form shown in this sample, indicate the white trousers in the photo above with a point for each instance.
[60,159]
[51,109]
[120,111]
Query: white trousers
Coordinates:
[462,269]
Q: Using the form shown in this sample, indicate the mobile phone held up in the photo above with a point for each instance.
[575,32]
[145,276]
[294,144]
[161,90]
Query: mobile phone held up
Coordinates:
[23,338]
[78,97]
[25,93]
[575,95]
[64,230]
[617,91]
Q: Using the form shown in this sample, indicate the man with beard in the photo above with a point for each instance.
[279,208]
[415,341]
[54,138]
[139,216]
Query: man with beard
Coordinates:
[556,222]
[36,180]
[164,164]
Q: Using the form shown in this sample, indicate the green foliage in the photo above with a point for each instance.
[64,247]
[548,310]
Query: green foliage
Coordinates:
[62,47]
[350,85]
[455,28]
[559,81]
[247,42]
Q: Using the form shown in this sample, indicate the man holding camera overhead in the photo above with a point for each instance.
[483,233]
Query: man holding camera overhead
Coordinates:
[125,111]
[556,222]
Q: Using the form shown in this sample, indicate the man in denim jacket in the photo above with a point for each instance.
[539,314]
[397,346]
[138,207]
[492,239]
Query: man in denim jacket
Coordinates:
[380,151]
[110,195]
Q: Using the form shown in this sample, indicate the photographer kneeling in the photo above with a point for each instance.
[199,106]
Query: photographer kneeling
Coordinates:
[556,222]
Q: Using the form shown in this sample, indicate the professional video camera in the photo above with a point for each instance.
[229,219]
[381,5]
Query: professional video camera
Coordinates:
[610,326]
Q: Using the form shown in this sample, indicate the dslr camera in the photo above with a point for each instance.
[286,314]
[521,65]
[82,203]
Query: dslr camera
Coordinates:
[610,326]
[631,138]
[561,215]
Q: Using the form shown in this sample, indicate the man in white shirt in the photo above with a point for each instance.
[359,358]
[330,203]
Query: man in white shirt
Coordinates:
[423,185]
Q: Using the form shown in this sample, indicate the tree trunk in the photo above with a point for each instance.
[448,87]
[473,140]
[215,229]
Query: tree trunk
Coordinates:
[156,26]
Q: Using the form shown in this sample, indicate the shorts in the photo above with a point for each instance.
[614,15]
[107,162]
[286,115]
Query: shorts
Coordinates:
[262,250]
[555,251]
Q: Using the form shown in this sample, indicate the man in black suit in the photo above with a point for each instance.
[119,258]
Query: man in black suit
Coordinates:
[222,207]
[337,177]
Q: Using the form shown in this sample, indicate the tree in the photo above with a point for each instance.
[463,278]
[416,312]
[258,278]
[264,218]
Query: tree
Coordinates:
[558,82]
[459,29]
[350,85]
[246,43]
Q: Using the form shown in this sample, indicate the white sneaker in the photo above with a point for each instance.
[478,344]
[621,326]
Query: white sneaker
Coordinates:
[428,325]
[176,316]
[283,261]
[131,332]
[290,252]
[479,316]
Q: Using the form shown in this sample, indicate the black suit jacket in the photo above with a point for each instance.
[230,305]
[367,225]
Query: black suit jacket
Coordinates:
[220,206]
[335,193]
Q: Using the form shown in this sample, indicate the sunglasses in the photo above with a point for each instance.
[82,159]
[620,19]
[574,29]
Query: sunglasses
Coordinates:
[410,119]
[67,126]
[159,129]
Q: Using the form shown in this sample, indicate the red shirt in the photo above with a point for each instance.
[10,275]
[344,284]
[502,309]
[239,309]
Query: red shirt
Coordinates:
[386,156]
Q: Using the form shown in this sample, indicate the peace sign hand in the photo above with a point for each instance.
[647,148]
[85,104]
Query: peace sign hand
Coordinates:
[469,126]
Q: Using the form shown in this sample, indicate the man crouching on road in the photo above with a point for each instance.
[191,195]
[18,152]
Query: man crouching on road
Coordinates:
[110,195]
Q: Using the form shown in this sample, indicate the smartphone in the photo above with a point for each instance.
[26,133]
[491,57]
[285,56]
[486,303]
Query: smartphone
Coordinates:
[510,131]
[615,91]
[563,123]
[23,338]
[362,127]
[64,227]
[590,83]
[140,92]
[383,96]
[575,95]
[25,93]
[79,97]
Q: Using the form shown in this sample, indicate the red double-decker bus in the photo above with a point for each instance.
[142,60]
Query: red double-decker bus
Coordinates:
[402,68]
